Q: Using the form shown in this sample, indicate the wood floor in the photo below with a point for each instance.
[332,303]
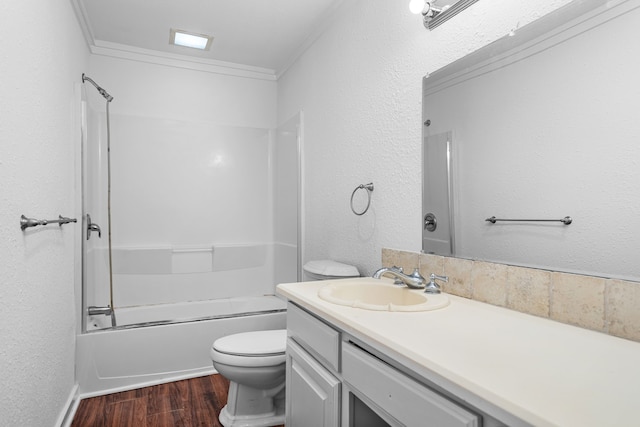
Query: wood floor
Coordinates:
[187,403]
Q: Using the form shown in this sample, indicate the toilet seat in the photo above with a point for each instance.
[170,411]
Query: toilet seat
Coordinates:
[251,349]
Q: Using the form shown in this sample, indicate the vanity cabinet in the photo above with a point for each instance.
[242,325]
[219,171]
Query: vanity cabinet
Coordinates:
[332,381]
[312,389]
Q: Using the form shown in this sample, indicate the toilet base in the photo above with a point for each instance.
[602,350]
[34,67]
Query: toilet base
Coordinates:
[250,407]
[250,420]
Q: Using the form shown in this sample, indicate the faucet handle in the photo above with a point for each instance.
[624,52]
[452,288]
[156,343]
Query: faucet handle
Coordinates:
[432,287]
[398,281]
[434,276]
[416,275]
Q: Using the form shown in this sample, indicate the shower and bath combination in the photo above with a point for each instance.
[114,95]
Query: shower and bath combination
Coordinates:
[170,281]
[92,227]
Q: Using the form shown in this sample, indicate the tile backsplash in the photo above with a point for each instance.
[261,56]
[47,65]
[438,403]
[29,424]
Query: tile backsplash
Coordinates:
[605,305]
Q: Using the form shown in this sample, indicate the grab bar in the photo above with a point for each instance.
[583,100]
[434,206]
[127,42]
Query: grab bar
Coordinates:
[30,222]
[566,220]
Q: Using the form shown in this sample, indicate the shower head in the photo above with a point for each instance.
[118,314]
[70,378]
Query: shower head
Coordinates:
[102,92]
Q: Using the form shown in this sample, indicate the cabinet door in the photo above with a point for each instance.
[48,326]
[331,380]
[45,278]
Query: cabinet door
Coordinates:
[313,393]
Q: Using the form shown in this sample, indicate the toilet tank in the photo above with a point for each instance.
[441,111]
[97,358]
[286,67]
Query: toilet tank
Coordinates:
[329,269]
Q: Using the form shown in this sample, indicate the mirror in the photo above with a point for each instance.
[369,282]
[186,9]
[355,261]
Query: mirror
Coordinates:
[546,124]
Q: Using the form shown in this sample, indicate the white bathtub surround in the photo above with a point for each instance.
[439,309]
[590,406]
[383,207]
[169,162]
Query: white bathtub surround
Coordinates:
[195,187]
[191,156]
[597,303]
[521,369]
[163,275]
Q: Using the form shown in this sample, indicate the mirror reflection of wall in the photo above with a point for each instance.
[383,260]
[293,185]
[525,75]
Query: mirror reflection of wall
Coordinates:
[546,125]
[437,201]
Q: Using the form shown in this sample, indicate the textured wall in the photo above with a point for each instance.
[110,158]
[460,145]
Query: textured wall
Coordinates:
[42,56]
[360,88]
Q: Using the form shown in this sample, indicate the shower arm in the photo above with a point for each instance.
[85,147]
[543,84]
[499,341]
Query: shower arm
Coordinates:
[103,92]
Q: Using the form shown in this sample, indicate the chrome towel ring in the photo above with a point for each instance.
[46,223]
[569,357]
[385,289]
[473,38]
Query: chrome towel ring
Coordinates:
[369,188]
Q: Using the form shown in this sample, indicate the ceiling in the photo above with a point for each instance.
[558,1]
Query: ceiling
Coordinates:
[264,34]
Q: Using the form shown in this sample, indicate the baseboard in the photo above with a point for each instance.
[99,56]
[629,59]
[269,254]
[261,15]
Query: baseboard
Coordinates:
[69,410]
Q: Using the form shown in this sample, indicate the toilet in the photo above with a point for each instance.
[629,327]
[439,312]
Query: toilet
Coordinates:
[254,364]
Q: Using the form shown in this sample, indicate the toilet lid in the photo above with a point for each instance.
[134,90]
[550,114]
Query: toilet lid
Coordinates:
[331,268]
[256,343]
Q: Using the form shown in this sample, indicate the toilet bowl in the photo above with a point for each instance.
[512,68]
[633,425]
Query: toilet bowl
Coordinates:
[254,364]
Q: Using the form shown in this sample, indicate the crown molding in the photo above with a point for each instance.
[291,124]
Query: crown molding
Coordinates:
[116,50]
[121,51]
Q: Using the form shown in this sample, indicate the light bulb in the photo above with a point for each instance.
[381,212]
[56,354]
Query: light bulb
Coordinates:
[416,6]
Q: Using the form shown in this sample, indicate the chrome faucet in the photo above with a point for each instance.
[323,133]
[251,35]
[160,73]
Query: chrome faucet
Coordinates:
[413,280]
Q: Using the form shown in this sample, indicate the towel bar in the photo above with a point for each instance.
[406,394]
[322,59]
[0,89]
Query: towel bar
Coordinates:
[566,220]
[30,222]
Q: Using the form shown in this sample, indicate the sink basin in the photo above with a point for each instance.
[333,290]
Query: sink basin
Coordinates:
[380,295]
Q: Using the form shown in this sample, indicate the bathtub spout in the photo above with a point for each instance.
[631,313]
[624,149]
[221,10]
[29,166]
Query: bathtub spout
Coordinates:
[103,311]
[95,311]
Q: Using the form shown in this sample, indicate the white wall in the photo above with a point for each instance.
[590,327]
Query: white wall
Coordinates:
[42,56]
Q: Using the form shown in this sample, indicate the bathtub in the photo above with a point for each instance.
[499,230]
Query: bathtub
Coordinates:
[165,342]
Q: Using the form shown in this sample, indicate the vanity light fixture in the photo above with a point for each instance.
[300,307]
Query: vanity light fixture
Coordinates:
[434,16]
[188,39]
[426,8]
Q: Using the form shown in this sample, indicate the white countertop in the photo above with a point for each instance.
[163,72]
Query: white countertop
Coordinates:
[543,372]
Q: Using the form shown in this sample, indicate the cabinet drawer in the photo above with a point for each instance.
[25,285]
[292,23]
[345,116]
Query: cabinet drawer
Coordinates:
[404,399]
[315,336]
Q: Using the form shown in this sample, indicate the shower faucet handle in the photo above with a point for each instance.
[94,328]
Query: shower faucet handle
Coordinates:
[92,227]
